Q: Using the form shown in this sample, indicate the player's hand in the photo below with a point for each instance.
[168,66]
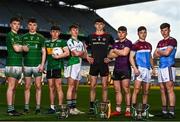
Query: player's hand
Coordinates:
[55,56]
[41,68]
[81,53]
[25,48]
[115,50]
[17,47]
[107,60]
[90,59]
[136,72]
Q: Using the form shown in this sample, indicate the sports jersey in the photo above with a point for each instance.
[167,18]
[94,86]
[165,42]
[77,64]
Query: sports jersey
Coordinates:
[35,42]
[167,61]
[51,62]
[100,45]
[143,53]
[13,58]
[74,45]
[122,62]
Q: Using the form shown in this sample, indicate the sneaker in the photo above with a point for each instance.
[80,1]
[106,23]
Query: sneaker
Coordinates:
[91,111]
[78,111]
[13,113]
[37,111]
[171,116]
[116,113]
[26,111]
[127,114]
[162,115]
[51,111]
[144,114]
[72,112]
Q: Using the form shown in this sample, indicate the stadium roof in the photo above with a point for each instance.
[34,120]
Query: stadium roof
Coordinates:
[99,4]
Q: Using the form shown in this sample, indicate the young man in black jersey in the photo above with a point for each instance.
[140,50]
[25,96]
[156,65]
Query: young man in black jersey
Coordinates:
[99,42]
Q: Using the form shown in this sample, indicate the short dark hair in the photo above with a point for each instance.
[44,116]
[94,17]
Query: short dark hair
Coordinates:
[75,25]
[33,20]
[141,28]
[55,27]
[122,28]
[164,25]
[15,19]
[99,20]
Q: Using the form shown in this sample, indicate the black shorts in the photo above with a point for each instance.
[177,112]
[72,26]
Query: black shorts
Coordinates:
[100,68]
[121,75]
[53,73]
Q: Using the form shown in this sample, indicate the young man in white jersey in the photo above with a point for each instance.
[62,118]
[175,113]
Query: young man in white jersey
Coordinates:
[72,72]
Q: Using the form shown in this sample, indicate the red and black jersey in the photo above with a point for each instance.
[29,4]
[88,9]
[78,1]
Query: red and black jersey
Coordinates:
[100,45]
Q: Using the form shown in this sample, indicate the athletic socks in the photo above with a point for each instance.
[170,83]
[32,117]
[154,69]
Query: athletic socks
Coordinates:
[118,108]
[73,103]
[171,109]
[52,107]
[37,107]
[26,106]
[164,109]
[10,108]
[92,104]
[69,103]
[128,108]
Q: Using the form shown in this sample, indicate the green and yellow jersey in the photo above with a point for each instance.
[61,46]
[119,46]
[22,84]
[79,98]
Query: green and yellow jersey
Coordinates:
[51,62]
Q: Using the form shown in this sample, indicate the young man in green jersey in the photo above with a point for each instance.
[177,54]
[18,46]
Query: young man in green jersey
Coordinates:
[55,66]
[13,68]
[34,60]
[72,72]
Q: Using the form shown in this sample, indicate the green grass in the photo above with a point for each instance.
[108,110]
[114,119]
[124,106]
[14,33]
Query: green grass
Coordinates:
[83,104]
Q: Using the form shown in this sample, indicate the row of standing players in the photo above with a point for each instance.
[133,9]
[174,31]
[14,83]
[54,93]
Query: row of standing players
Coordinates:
[35,51]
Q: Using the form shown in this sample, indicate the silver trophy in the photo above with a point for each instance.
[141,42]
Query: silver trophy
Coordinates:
[139,111]
[64,112]
[105,110]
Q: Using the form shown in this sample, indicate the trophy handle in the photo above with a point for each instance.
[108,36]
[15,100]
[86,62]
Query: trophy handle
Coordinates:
[147,111]
[134,111]
[96,106]
[109,110]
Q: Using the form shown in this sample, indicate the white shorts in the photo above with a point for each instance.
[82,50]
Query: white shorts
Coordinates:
[29,71]
[166,74]
[73,71]
[144,75]
[13,71]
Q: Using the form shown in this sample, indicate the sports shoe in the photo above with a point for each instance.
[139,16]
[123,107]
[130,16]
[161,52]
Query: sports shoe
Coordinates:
[150,115]
[116,113]
[26,111]
[72,112]
[37,111]
[127,114]
[91,111]
[171,116]
[78,111]
[13,113]
[162,115]
[51,111]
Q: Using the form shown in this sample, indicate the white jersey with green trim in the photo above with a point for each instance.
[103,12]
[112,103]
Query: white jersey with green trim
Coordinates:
[75,45]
